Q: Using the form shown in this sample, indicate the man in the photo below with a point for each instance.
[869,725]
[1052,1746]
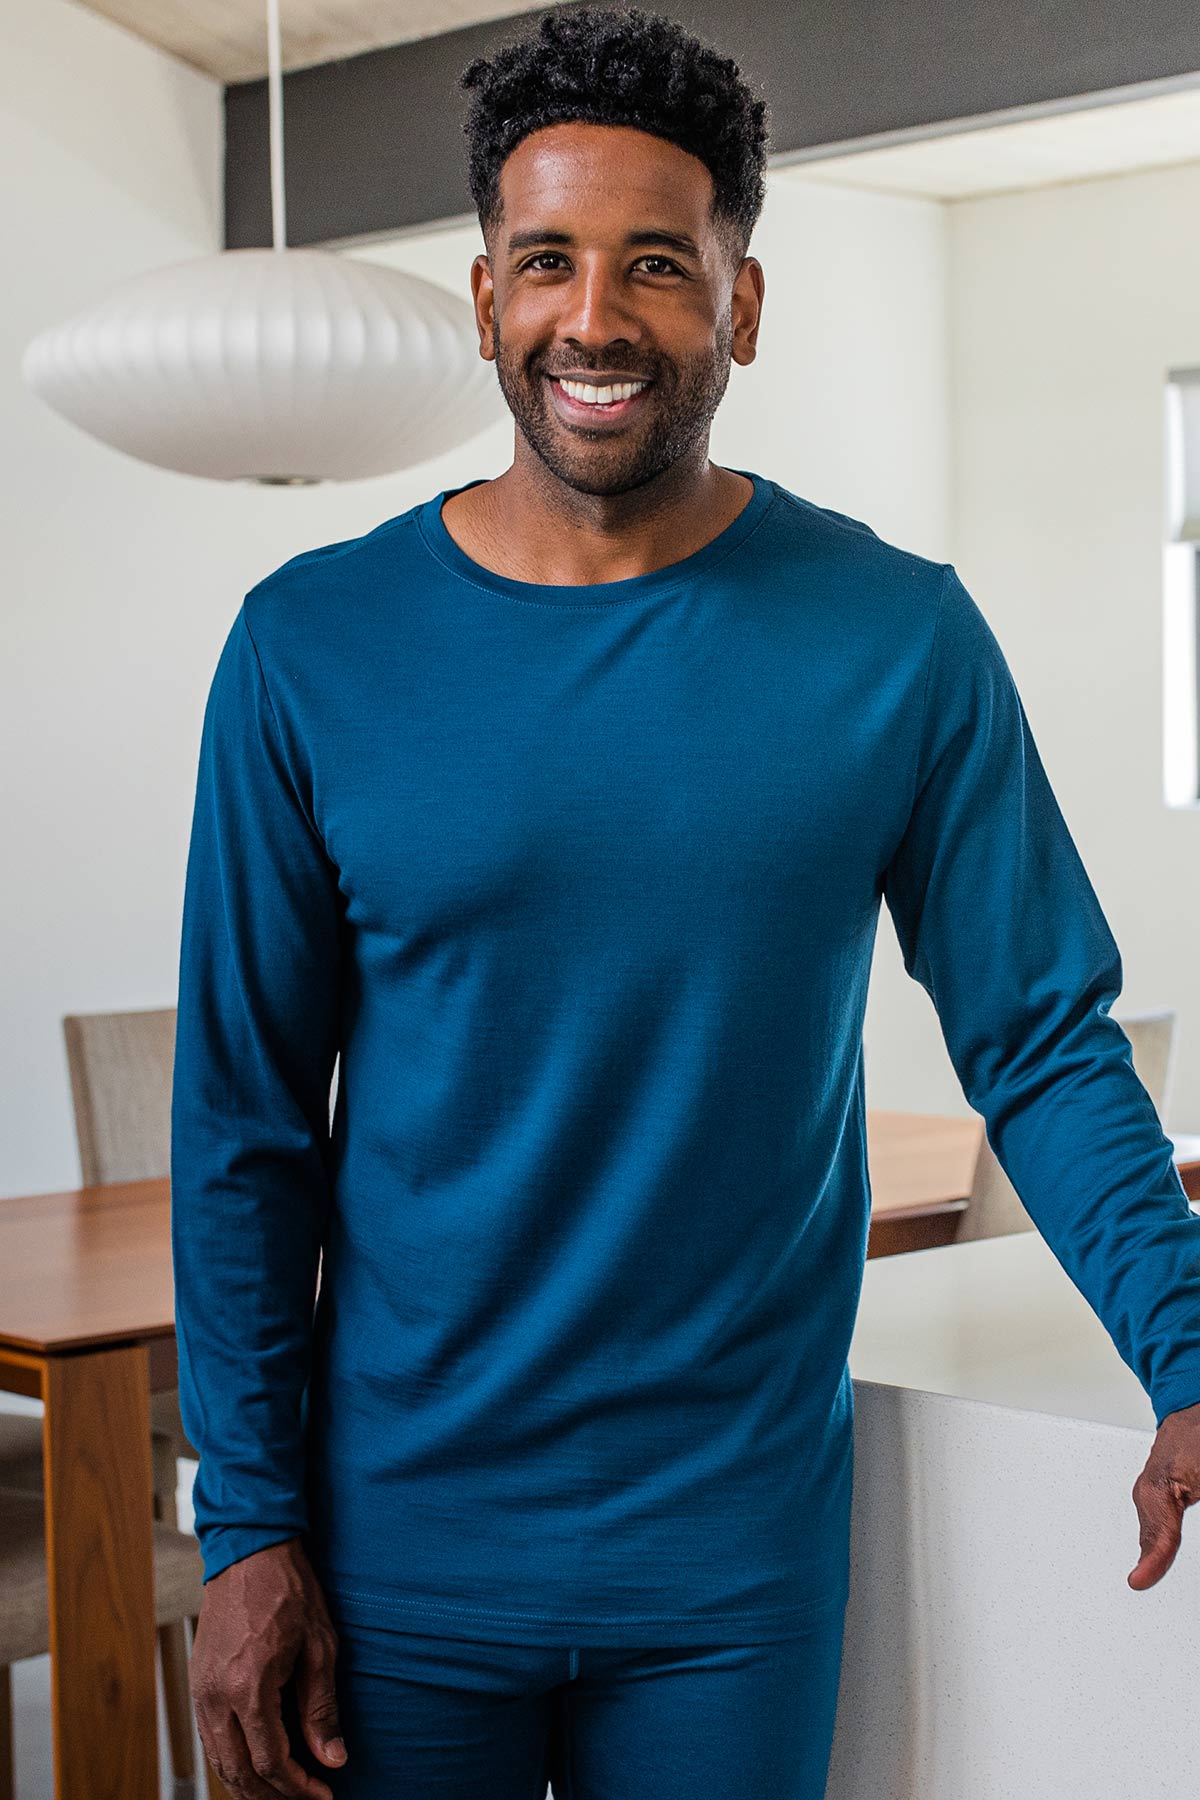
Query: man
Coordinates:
[562,805]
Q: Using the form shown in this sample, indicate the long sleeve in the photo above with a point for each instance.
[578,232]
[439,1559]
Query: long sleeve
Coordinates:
[256,1040]
[998,922]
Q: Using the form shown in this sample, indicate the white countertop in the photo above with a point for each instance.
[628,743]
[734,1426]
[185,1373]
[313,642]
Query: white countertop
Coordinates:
[994,1319]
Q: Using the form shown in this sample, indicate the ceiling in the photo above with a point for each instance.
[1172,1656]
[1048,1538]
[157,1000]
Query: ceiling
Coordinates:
[1101,134]
[228,38]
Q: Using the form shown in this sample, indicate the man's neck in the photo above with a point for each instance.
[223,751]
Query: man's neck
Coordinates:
[529,526]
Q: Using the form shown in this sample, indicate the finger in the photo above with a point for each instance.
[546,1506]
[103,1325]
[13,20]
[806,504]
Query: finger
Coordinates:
[224,1746]
[271,1755]
[230,1757]
[1160,1512]
[316,1699]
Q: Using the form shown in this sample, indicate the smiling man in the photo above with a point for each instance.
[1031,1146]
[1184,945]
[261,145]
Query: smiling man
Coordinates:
[612,299]
[563,805]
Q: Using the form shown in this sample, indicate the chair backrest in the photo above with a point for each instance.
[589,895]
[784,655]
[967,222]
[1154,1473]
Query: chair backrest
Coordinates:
[994,1208]
[121,1066]
[1152,1037]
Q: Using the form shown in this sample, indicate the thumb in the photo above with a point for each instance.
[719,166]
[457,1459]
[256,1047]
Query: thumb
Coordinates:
[317,1701]
[1160,1514]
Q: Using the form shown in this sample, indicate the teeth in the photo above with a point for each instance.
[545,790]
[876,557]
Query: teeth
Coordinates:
[601,396]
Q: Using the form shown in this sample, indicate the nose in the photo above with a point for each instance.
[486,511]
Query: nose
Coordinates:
[595,309]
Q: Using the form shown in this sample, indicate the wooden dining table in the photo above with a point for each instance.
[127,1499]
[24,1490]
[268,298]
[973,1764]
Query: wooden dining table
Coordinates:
[87,1327]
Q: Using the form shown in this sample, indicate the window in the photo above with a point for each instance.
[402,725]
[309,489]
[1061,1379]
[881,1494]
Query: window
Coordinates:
[1181,592]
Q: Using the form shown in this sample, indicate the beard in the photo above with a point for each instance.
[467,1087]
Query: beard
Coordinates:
[679,411]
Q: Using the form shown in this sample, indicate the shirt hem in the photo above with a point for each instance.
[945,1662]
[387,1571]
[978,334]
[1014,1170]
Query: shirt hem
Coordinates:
[358,1605]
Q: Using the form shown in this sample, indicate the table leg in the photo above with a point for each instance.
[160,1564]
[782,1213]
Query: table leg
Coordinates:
[99,1550]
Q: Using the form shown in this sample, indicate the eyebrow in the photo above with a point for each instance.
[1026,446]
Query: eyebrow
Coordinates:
[678,240]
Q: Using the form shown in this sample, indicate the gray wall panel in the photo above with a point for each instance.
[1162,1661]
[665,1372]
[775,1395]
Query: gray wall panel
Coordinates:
[373,144]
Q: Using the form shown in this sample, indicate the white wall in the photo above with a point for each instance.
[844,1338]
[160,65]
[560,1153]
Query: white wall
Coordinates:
[1068,306]
[122,580]
[1028,331]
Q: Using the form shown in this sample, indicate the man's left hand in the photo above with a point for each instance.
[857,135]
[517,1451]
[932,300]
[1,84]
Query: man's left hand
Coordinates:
[1166,1487]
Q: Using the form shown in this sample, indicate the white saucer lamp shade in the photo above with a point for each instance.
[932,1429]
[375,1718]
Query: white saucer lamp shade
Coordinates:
[281,366]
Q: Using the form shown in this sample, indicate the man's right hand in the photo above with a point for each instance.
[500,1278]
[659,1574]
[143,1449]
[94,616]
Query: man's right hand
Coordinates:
[263,1621]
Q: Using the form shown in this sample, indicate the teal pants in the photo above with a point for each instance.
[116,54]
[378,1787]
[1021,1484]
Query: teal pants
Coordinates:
[432,1718]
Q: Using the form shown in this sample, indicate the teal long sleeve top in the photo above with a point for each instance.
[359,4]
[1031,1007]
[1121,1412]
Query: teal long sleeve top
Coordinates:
[544,1337]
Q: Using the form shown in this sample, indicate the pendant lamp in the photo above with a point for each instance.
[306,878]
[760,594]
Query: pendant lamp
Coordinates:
[277,366]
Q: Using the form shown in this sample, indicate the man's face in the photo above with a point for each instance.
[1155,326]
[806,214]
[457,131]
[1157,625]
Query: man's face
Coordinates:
[585,279]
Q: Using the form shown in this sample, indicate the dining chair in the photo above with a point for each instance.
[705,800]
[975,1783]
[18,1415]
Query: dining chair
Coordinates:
[1154,1039]
[994,1208]
[25,1606]
[120,1067]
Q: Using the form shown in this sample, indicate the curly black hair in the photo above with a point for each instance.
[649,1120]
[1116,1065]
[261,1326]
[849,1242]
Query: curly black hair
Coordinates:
[620,67]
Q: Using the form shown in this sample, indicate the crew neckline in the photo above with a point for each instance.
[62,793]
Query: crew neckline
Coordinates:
[439,542]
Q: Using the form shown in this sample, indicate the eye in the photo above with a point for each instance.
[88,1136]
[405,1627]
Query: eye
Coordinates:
[540,256]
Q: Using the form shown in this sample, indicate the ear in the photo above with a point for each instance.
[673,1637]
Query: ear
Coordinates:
[484,299]
[746,304]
